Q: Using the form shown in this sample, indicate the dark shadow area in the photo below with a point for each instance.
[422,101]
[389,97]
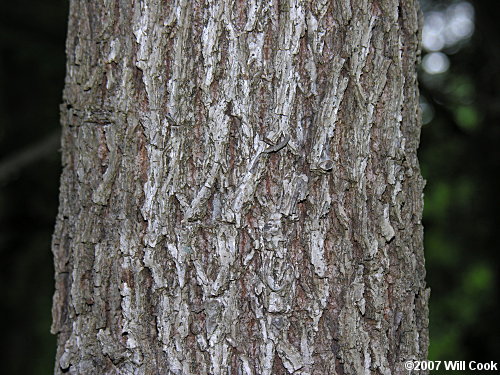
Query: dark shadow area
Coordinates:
[32,61]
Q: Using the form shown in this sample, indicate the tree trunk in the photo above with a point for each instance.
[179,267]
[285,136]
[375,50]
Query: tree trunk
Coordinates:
[240,190]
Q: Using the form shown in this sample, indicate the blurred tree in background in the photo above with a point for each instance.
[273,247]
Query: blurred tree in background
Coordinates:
[460,157]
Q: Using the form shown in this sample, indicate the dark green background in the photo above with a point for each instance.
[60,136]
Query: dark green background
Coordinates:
[460,157]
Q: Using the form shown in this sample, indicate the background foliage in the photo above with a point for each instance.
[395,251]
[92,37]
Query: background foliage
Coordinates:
[460,157]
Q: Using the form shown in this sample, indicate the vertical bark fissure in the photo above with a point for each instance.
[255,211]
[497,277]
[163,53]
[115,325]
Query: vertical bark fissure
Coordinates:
[240,191]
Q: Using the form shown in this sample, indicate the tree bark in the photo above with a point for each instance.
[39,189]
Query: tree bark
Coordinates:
[240,190]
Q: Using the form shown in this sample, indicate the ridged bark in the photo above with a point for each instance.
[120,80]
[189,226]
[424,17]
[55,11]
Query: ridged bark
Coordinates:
[240,190]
